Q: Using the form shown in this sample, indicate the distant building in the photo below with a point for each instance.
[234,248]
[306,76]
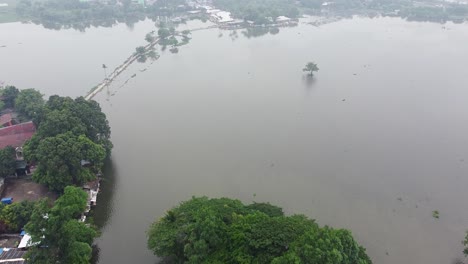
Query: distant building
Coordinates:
[282,19]
[15,136]
[140,2]
[92,189]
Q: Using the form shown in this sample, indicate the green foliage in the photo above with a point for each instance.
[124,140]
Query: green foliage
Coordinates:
[326,246]
[7,161]
[150,37]
[17,215]
[9,95]
[267,208]
[29,103]
[152,54]
[259,238]
[60,237]
[204,230]
[164,33]
[171,41]
[435,214]
[79,116]
[311,68]
[140,50]
[59,160]
[465,243]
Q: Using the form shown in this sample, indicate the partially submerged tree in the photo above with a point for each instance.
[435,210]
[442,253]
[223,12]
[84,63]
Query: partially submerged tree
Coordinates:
[204,230]
[164,33]
[311,68]
[140,50]
[150,37]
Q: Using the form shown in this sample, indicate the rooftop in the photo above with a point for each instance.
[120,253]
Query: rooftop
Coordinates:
[16,135]
[6,118]
[12,255]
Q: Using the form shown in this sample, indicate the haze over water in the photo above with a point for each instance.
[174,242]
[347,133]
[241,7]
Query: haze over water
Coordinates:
[374,143]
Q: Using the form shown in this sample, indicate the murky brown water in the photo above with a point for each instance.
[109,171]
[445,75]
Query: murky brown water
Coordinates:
[375,143]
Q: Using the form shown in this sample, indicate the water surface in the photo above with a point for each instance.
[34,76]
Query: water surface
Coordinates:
[374,143]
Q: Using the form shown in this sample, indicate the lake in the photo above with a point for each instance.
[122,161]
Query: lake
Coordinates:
[374,143]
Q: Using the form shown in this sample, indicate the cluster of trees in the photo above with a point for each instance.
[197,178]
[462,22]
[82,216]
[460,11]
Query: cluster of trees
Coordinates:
[56,233]
[168,37]
[259,11]
[77,14]
[8,95]
[27,102]
[57,14]
[69,133]
[7,161]
[204,230]
[14,216]
[74,13]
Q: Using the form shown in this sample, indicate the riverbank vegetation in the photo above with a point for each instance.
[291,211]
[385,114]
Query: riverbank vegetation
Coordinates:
[68,149]
[70,133]
[56,232]
[223,230]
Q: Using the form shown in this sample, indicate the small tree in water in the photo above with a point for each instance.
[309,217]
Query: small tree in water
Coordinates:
[311,68]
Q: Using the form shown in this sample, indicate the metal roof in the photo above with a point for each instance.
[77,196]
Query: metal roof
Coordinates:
[12,256]
[16,135]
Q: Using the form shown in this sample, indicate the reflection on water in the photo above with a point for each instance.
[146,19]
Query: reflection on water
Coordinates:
[309,81]
[104,207]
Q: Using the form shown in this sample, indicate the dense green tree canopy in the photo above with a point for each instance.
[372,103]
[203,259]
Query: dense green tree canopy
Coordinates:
[29,103]
[16,215]
[59,159]
[88,112]
[80,117]
[7,162]
[204,230]
[9,95]
[60,236]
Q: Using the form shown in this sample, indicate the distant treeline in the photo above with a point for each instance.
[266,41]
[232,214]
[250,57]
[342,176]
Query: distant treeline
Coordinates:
[57,14]
[82,14]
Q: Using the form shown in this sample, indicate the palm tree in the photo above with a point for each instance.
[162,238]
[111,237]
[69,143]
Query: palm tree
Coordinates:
[311,68]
